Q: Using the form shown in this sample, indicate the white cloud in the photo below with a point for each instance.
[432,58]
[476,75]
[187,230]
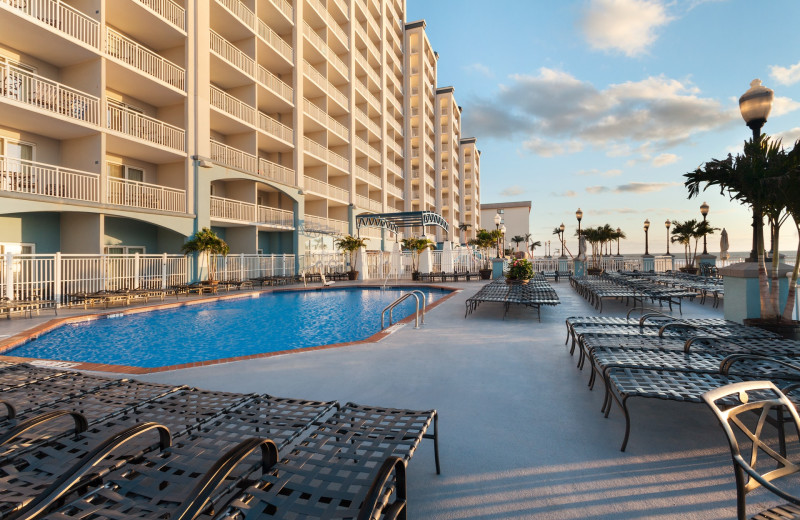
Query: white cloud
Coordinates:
[632,187]
[788,137]
[480,68]
[512,191]
[783,105]
[664,159]
[785,75]
[568,193]
[608,173]
[544,148]
[627,26]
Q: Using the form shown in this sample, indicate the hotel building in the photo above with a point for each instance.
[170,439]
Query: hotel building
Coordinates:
[127,125]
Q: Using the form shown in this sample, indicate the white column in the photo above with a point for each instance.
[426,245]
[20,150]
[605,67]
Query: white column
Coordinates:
[57,279]
[136,271]
[9,276]
[164,271]
[361,264]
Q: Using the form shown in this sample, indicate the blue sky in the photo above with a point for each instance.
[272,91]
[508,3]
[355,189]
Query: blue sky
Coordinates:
[605,104]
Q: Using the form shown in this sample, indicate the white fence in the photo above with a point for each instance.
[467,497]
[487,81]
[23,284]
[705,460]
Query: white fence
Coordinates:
[244,267]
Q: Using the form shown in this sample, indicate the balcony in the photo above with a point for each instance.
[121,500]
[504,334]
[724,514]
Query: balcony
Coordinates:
[274,41]
[285,8]
[275,217]
[332,24]
[326,225]
[233,107]
[169,10]
[367,203]
[396,148]
[325,85]
[33,178]
[276,172]
[276,85]
[364,119]
[325,120]
[392,167]
[325,51]
[232,54]
[25,90]
[326,190]
[365,147]
[368,177]
[140,126]
[391,189]
[233,158]
[124,192]
[275,128]
[361,60]
[314,148]
[235,210]
[371,99]
[343,7]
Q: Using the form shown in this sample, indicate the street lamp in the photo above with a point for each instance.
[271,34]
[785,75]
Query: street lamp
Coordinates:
[561,227]
[667,224]
[619,234]
[704,212]
[579,216]
[497,220]
[755,105]
[503,233]
[646,227]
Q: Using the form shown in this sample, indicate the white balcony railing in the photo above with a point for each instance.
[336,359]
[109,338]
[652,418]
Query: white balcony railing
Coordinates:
[21,176]
[143,59]
[240,11]
[275,84]
[324,154]
[392,167]
[275,128]
[276,172]
[233,158]
[61,16]
[266,33]
[284,7]
[229,209]
[329,20]
[364,119]
[391,189]
[315,223]
[367,203]
[275,217]
[368,177]
[124,192]
[324,84]
[232,106]
[371,99]
[232,54]
[396,148]
[42,93]
[169,10]
[365,147]
[144,127]
[343,7]
[325,120]
[326,51]
[326,190]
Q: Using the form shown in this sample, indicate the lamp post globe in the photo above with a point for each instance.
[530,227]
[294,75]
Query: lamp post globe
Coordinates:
[755,106]
[619,234]
[646,227]
[579,216]
[497,220]
[503,235]
[667,224]
[561,227]
[704,212]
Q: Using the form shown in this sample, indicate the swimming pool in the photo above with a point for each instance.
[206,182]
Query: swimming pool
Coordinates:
[271,322]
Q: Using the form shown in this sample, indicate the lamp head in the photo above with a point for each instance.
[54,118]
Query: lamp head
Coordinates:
[561,227]
[619,231]
[647,224]
[503,229]
[704,209]
[668,223]
[755,104]
[579,214]
[497,219]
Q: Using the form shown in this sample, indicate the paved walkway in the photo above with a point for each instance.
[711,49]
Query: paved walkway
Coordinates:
[521,435]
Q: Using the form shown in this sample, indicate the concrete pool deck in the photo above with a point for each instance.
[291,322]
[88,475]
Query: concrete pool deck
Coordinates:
[521,435]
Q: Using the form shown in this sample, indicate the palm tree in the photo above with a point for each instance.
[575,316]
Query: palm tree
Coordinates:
[350,244]
[484,240]
[206,242]
[518,240]
[416,246]
[534,245]
[464,228]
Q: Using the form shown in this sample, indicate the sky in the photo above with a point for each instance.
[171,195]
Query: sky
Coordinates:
[604,105]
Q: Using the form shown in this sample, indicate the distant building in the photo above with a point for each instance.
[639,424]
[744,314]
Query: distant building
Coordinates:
[515,217]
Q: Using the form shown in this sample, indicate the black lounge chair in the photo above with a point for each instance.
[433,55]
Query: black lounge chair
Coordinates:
[759,459]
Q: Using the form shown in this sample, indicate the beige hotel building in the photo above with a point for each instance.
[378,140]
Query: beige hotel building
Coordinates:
[127,125]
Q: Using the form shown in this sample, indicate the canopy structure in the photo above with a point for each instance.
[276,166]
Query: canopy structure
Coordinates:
[395,221]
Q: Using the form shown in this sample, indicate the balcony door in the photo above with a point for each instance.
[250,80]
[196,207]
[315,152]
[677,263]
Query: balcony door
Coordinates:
[123,187]
[16,166]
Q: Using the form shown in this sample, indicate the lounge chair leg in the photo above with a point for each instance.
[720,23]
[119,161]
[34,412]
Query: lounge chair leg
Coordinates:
[624,405]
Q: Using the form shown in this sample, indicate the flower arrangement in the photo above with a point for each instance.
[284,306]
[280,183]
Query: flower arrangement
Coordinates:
[520,269]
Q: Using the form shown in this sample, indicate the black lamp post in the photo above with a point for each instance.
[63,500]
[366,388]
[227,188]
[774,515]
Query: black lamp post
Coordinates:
[497,220]
[579,216]
[704,212]
[646,227]
[619,234]
[755,105]
[561,227]
[667,224]
[503,234]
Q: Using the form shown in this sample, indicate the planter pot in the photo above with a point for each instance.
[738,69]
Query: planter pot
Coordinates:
[594,271]
[513,281]
[689,270]
[415,276]
[486,274]
[352,275]
[210,282]
[786,330]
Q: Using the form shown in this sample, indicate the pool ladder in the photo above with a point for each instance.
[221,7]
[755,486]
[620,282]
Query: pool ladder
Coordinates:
[397,302]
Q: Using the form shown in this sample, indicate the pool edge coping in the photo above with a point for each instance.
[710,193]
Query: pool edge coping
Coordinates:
[29,334]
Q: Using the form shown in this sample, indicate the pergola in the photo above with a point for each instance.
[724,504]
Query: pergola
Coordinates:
[396,221]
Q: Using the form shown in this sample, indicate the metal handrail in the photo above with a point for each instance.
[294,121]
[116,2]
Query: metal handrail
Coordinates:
[402,298]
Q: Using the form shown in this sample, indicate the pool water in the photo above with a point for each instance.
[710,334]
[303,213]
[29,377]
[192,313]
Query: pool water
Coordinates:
[272,322]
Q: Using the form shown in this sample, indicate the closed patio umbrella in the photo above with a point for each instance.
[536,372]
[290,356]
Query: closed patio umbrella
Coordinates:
[723,245]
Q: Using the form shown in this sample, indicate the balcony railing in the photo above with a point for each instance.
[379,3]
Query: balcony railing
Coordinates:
[143,59]
[146,128]
[229,209]
[326,51]
[371,99]
[39,92]
[323,83]
[364,119]
[240,11]
[266,33]
[61,16]
[330,225]
[228,156]
[392,167]
[365,147]
[168,10]
[323,153]
[21,176]
[324,119]
[368,177]
[326,190]
[284,7]
[124,192]
[368,68]
[275,217]
[232,106]
[367,203]
[275,84]
[391,189]
[332,24]
[232,54]
[275,128]
[394,146]
[343,7]
[276,172]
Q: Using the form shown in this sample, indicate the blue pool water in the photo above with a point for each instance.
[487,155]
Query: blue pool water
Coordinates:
[227,328]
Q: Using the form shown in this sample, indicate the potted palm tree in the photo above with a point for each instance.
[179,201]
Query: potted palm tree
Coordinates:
[464,228]
[518,240]
[350,244]
[205,242]
[483,241]
[683,233]
[416,246]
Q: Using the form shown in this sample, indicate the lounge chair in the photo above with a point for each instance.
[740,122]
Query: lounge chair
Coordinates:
[742,410]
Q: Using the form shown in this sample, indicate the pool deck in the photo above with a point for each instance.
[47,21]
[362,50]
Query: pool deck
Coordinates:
[521,435]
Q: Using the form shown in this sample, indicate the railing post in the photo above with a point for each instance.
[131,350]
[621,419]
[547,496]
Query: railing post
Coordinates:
[164,271]
[104,271]
[10,276]
[283,265]
[241,267]
[57,278]
[136,271]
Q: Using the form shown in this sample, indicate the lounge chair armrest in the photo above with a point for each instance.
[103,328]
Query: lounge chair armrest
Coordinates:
[197,500]
[689,342]
[80,424]
[728,361]
[674,324]
[74,476]
[375,495]
[11,412]
[755,475]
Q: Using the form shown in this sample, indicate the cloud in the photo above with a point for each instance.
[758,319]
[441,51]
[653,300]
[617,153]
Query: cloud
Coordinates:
[568,193]
[480,68]
[512,191]
[597,189]
[783,105]
[785,75]
[595,171]
[627,26]
[557,113]
[789,137]
[632,187]
[664,159]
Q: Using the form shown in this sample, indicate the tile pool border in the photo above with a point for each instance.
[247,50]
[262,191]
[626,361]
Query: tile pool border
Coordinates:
[34,332]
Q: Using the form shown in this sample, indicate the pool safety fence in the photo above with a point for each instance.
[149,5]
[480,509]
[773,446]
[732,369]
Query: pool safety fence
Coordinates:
[242,267]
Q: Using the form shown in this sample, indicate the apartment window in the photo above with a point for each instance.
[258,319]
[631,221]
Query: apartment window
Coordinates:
[122,116]
[124,250]
[19,248]
[123,171]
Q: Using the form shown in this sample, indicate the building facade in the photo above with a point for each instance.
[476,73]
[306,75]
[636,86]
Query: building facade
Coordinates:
[127,125]
[515,216]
